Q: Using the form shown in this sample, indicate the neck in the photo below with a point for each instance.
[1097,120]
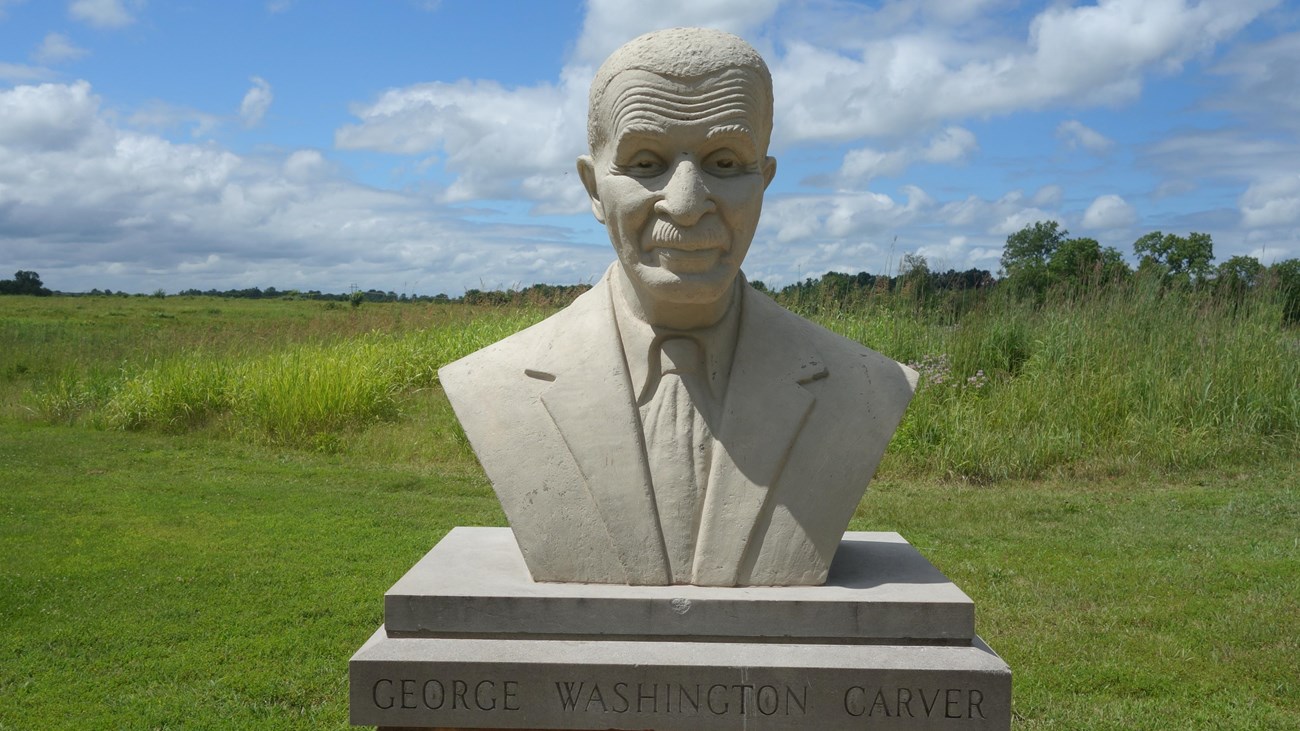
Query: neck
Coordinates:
[671,315]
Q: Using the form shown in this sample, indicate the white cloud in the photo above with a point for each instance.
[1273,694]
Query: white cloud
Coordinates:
[57,48]
[305,165]
[501,142]
[1224,153]
[5,4]
[1262,81]
[86,202]
[1048,195]
[1076,134]
[278,6]
[839,215]
[256,102]
[957,12]
[958,252]
[1270,246]
[514,142]
[521,142]
[1088,54]
[890,80]
[1018,219]
[20,73]
[1273,202]
[809,235]
[953,145]
[1003,216]
[611,23]
[159,115]
[1109,212]
[866,163]
[103,13]
[48,117]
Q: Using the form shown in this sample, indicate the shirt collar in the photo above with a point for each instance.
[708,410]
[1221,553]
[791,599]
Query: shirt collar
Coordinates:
[641,341]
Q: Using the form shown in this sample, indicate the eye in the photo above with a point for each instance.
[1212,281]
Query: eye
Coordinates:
[724,163]
[643,164]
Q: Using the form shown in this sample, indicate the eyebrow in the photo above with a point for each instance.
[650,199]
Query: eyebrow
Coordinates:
[639,133]
[729,130]
[635,133]
[737,132]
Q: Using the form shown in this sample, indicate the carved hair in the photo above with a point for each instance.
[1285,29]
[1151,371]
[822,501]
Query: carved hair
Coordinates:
[684,55]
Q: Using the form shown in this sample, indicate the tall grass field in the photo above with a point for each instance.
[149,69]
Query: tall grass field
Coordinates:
[203,500]
[1130,377]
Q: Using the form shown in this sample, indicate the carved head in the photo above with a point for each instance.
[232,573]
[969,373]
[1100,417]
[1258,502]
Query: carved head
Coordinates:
[678,124]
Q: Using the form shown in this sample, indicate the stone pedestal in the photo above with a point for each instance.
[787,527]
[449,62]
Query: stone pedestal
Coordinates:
[470,641]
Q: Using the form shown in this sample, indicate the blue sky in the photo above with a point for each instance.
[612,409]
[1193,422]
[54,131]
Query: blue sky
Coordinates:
[424,146]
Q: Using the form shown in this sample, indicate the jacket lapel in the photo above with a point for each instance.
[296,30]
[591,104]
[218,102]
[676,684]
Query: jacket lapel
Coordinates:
[763,413]
[590,400]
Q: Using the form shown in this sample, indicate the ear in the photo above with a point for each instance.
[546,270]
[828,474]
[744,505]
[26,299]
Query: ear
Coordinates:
[587,171]
[769,171]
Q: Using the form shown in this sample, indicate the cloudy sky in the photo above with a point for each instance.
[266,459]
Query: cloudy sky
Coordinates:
[427,146]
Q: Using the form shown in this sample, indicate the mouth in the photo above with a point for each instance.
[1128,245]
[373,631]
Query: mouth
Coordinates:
[687,261]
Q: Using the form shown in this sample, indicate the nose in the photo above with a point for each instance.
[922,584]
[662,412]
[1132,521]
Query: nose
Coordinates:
[686,197]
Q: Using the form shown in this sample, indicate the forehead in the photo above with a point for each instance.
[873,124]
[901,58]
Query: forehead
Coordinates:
[646,102]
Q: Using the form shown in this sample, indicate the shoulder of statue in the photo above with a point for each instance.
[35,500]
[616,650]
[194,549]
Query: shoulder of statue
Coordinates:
[536,344]
[846,359]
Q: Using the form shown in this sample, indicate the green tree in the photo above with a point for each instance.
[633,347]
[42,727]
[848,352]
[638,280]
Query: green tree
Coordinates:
[1075,260]
[914,275]
[1085,261]
[1285,275]
[1183,259]
[836,287]
[1237,275]
[1027,253]
[1113,266]
[1032,246]
[913,265]
[24,282]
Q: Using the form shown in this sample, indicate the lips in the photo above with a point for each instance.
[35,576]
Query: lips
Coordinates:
[683,261]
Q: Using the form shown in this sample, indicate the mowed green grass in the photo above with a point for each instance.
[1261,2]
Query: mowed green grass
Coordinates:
[1133,603]
[191,571]
[179,582]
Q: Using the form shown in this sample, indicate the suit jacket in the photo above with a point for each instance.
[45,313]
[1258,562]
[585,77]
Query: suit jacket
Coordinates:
[551,414]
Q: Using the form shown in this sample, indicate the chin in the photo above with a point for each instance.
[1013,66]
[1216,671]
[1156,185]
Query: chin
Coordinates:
[686,287]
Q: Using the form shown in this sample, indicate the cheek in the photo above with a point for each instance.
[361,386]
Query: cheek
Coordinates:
[626,201]
[741,200]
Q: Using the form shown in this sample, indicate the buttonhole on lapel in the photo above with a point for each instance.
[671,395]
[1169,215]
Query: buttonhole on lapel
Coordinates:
[539,375]
[815,376]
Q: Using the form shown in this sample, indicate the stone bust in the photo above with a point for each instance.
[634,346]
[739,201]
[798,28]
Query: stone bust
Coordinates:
[674,425]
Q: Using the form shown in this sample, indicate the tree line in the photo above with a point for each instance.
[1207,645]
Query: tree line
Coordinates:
[1037,259]
[1042,258]
[24,282]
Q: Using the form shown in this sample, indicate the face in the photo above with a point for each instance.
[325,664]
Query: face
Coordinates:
[679,180]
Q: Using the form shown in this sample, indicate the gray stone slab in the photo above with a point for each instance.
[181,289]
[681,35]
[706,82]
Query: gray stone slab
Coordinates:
[474,584]
[583,684]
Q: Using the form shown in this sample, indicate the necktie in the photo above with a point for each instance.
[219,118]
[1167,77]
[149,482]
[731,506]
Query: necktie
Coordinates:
[679,446]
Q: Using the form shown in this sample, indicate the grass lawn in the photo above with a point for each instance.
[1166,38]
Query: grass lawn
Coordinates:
[182,582]
[157,581]
[1135,603]
[200,512]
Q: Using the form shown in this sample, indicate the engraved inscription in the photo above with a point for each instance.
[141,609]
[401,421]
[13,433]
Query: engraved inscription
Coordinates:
[890,702]
[717,699]
[436,695]
[606,697]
